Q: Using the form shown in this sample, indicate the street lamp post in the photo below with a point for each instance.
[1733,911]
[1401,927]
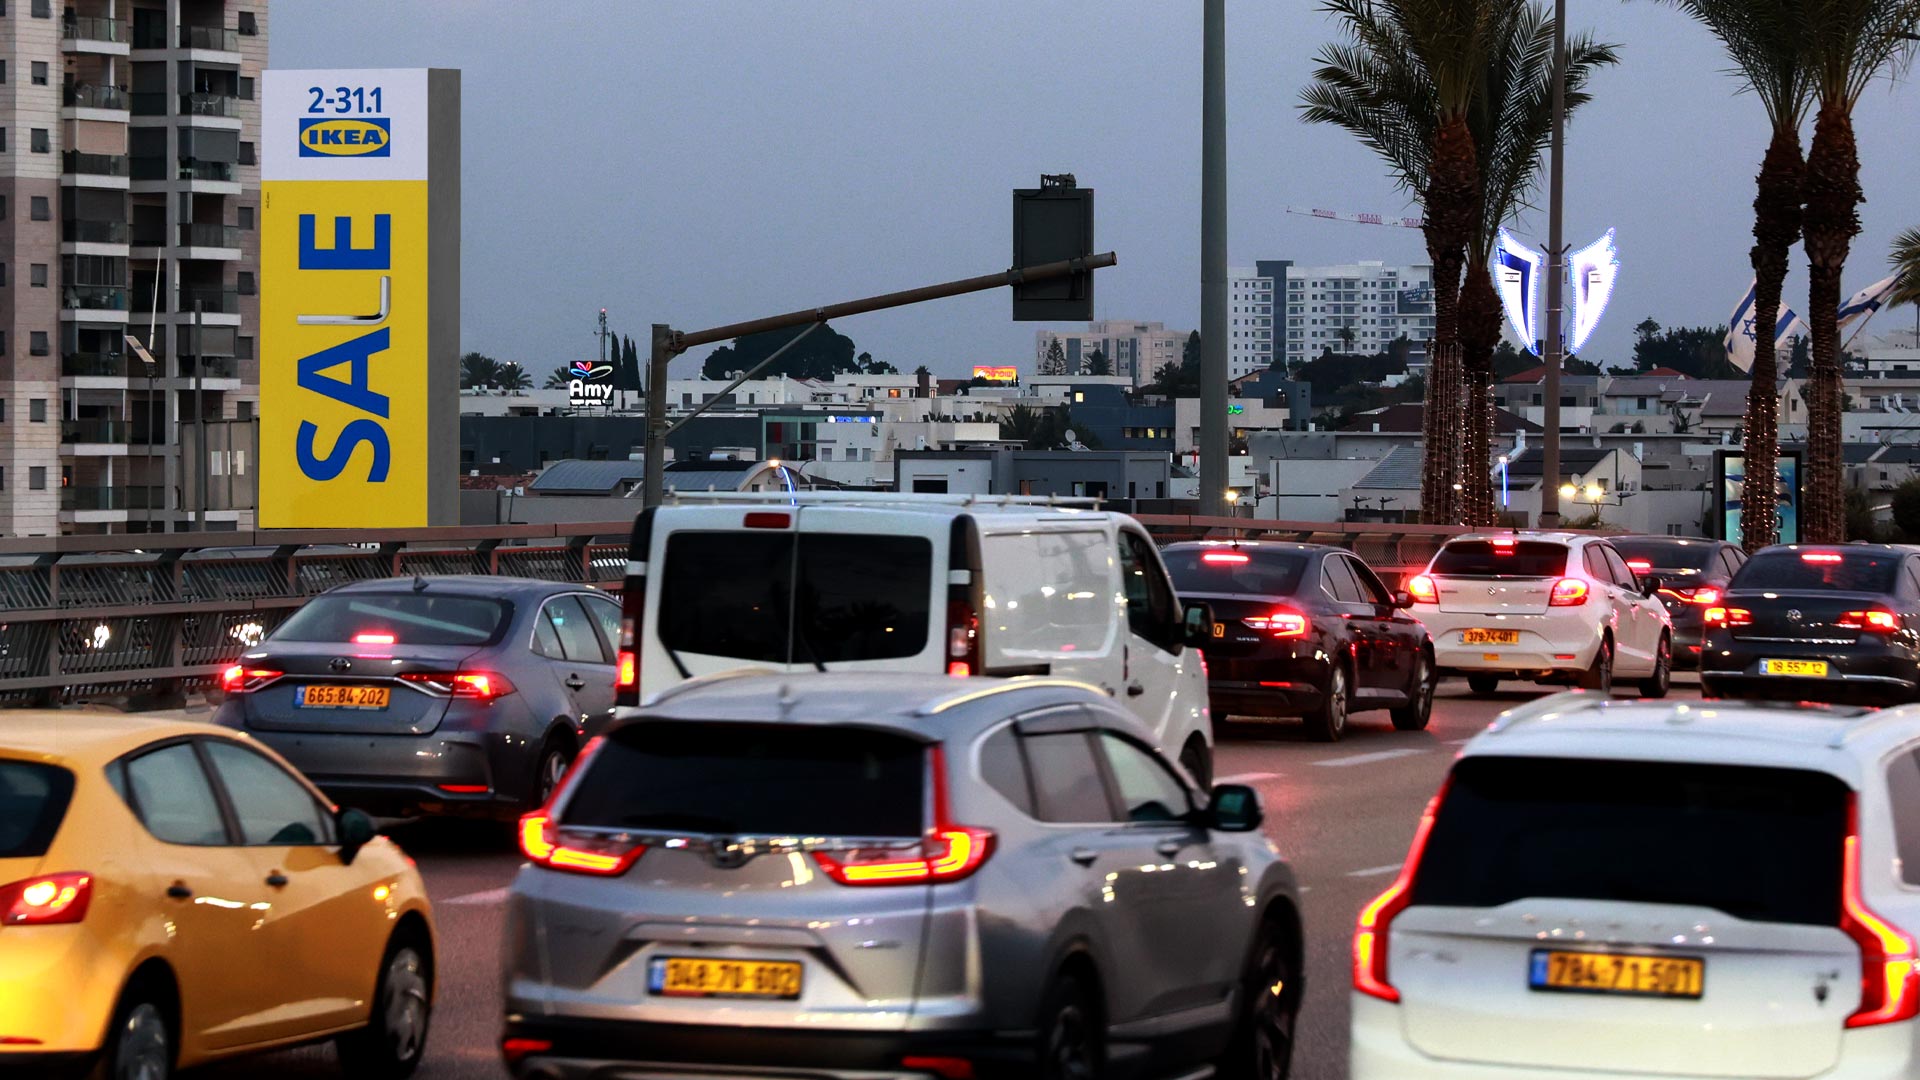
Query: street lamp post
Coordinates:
[1556,269]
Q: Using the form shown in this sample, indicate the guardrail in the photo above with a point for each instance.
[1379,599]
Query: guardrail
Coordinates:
[155,616]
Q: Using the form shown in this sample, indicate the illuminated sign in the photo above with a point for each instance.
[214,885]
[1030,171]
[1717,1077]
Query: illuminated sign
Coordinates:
[1516,277]
[997,374]
[359,298]
[589,383]
[1590,275]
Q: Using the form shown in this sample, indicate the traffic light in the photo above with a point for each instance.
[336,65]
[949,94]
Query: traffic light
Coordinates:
[1053,223]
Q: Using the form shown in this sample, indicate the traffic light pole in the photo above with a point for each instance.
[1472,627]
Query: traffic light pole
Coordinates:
[1213,262]
[669,343]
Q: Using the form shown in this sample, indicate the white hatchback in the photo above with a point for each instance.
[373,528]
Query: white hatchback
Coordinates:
[1653,890]
[1547,607]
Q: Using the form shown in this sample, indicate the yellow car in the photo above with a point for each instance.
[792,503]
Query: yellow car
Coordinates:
[172,893]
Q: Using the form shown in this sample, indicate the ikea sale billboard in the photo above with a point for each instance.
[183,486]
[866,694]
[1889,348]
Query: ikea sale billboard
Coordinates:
[360,298]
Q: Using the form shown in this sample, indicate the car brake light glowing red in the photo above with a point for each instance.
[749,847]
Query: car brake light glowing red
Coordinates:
[1820,557]
[1280,623]
[465,789]
[608,856]
[766,519]
[1568,592]
[240,680]
[475,685]
[1873,620]
[1503,543]
[516,1050]
[959,669]
[1727,616]
[1639,566]
[1229,557]
[947,1068]
[1889,990]
[1423,590]
[628,671]
[373,639]
[948,852]
[46,900]
[1704,594]
[1370,932]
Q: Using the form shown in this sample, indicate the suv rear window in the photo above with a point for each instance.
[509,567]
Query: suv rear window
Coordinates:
[1666,554]
[1242,570]
[412,618]
[1852,571]
[753,780]
[33,799]
[1761,844]
[860,597]
[1479,558]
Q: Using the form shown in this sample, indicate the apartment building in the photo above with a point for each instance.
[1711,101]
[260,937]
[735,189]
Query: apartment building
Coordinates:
[1133,350]
[1251,323]
[1355,307]
[129,196]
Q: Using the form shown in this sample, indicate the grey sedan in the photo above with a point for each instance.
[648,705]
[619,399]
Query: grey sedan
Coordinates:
[896,876]
[462,695]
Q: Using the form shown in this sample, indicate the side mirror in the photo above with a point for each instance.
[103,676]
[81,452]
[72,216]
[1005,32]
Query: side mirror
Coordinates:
[1650,585]
[1403,599]
[1235,808]
[355,830]
[1197,624]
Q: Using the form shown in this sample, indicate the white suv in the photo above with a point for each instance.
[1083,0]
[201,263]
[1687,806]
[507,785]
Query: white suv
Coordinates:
[1550,607]
[1655,890]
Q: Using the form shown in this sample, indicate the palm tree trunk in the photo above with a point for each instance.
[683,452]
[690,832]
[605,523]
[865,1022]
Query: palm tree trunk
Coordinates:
[1479,335]
[1832,221]
[1452,207]
[1776,228]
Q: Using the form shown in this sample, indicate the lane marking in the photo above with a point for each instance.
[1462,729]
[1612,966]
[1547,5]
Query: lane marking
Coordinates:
[1248,778]
[1461,742]
[1368,759]
[1375,871]
[479,899]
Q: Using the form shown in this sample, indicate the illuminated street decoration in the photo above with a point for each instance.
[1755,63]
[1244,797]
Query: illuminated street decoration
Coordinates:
[1518,271]
[1591,273]
[1516,277]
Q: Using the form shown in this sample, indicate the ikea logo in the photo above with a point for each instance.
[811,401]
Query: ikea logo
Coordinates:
[338,137]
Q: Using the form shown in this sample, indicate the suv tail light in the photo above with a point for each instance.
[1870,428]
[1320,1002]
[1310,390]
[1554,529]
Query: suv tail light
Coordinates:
[1727,616]
[1568,592]
[244,680]
[548,843]
[478,685]
[1370,932]
[46,900]
[1888,989]
[1872,620]
[1423,590]
[1280,622]
[948,852]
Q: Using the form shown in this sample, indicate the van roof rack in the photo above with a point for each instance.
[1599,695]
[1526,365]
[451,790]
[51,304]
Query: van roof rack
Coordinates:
[883,498]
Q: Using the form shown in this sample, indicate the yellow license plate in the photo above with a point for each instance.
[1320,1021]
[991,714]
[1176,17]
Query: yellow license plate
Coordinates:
[685,977]
[1489,637]
[1617,973]
[345,697]
[1814,668]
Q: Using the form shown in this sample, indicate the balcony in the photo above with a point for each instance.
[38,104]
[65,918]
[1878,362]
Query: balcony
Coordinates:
[75,163]
[213,300]
[94,33]
[146,104]
[93,232]
[95,97]
[113,498]
[211,235]
[213,105]
[217,171]
[94,298]
[109,432]
[212,38]
[101,366]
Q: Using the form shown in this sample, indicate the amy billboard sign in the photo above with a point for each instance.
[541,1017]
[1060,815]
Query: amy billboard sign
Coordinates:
[360,298]
[996,374]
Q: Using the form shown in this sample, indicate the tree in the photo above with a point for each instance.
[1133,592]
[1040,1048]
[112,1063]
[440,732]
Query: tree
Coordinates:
[821,355]
[514,378]
[1906,508]
[1849,43]
[1096,364]
[1055,362]
[558,378]
[1765,40]
[626,365]
[1346,336]
[922,370]
[479,372]
[1906,264]
[1698,352]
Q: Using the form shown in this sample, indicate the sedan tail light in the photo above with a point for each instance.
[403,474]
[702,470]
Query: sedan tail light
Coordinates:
[1727,616]
[1703,594]
[1423,590]
[1872,620]
[1888,989]
[46,900]
[1568,592]
[239,679]
[948,852]
[478,685]
[1280,622]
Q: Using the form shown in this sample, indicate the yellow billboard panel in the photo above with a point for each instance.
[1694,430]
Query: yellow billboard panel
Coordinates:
[996,374]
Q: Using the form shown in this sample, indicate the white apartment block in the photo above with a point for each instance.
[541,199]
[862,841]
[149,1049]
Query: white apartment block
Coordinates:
[1134,350]
[1374,301]
[1251,322]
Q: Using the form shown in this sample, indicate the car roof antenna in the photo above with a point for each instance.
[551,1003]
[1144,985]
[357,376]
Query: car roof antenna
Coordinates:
[419,583]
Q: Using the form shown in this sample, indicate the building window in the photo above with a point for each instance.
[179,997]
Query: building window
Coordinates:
[37,478]
[37,345]
[43,9]
[246,153]
[243,348]
[245,91]
[3,140]
[41,142]
[245,283]
[243,409]
[245,214]
[39,209]
[39,73]
[37,275]
[247,25]
[37,410]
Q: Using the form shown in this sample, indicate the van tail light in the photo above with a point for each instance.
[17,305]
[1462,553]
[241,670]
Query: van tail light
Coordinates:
[46,900]
[1889,980]
[1280,622]
[963,639]
[475,685]
[1727,616]
[627,670]
[239,679]
[633,604]
[1872,620]
[963,604]
[948,852]
[1568,592]
[1423,590]
[1370,932]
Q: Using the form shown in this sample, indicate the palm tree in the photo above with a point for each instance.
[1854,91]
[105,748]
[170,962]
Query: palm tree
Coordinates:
[1403,83]
[478,371]
[557,379]
[514,378]
[1849,43]
[1906,264]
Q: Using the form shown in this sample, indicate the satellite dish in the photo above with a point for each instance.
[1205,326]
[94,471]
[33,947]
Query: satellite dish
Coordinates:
[1071,437]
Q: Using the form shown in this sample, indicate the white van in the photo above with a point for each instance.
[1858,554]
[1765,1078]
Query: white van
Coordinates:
[846,581]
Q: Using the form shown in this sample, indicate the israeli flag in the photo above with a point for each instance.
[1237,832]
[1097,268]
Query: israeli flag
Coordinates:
[1861,305]
[1741,339]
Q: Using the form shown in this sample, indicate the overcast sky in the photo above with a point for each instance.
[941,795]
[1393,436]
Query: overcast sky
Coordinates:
[700,162]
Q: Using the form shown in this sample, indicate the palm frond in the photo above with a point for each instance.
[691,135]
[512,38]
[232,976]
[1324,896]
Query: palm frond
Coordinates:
[1850,43]
[1906,263]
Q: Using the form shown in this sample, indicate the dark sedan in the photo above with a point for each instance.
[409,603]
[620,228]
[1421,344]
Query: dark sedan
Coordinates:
[1818,623]
[1693,576]
[439,695]
[1304,630]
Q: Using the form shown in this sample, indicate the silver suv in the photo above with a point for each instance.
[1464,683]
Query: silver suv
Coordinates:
[896,876]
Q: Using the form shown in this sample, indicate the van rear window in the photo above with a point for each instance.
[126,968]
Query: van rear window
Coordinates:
[33,800]
[1479,558]
[858,597]
[753,780]
[1761,844]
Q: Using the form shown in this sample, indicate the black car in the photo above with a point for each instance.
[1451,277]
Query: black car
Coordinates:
[1818,623]
[1305,630]
[1693,576]
[460,695]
